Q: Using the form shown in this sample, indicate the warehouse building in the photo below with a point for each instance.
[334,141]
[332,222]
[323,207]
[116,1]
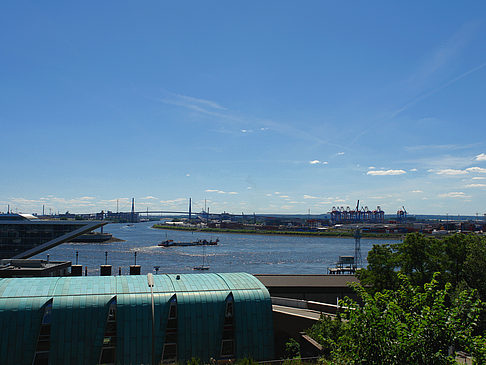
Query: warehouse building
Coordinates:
[134,319]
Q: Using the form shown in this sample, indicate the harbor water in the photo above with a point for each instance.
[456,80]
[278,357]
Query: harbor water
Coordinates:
[255,254]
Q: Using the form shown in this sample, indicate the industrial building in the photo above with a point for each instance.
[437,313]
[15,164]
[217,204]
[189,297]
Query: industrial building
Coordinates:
[134,319]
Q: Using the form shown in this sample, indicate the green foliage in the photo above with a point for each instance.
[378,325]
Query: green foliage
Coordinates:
[246,361]
[292,349]
[327,332]
[460,258]
[410,325]
[380,274]
[194,361]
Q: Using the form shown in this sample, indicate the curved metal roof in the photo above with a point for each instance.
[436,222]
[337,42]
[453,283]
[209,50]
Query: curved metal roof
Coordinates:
[80,307]
[113,285]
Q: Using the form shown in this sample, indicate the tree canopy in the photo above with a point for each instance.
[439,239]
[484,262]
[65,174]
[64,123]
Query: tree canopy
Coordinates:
[460,258]
[409,325]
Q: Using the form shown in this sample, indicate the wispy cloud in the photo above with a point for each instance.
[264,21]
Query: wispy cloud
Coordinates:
[446,51]
[454,194]
[434,91]
[220,191]
[475,185]
[310,197]
[455,172]
[317,162]
[386,172]
[481,157]
[450,172]
[480,170]
[150,197]
[173,201]
[439,58]
[200,101]
[417,191]
[224,115]
[438,147]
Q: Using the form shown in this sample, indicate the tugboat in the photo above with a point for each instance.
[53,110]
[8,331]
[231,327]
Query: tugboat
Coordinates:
[171,243]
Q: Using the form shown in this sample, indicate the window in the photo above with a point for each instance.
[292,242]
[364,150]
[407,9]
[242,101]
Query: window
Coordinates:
[169,352]
[228,341]
[41,355]
[108,348]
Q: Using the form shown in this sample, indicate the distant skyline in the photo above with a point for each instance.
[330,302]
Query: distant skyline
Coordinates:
[266,107]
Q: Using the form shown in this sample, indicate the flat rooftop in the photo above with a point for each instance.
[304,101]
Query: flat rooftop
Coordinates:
[307,280]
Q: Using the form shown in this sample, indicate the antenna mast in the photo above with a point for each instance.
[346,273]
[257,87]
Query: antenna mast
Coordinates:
[357,249]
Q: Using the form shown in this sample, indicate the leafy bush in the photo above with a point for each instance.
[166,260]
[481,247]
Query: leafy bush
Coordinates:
[410,325]
[292,349]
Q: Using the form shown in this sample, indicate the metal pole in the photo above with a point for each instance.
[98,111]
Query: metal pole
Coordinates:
[77,253]
[150,281]
[106,257]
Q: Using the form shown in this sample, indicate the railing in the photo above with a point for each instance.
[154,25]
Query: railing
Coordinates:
[306,304]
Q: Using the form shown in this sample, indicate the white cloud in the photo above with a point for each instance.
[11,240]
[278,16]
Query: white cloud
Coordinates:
[188,175]
[268,194]
[310,197]
[476,169]
[417,191]
[413,170]
[381,197]
[385,172]
[277,193]
[317,162]
[479,178]
[454,194]
[173,201]
[244,131]
[284,196]
[220,191]
[149,197]
[371,168]
[475,185]
[340,153]
[450,172]
[481,157]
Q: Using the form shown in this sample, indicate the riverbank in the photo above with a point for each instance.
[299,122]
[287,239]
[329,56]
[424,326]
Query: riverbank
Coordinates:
[334,233]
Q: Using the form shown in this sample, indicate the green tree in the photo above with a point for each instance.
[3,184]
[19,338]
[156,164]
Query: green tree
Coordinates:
[461,259]
[381,271]
[292,349]
[327,332]
[411,325]
[419,257]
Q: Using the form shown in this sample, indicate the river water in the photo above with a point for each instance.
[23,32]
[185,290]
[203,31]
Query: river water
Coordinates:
[255,254]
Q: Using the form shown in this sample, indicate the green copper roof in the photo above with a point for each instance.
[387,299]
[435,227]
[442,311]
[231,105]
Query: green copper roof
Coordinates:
[80,309]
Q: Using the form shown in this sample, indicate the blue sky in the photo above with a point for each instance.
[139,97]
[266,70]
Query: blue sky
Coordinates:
[267,107]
